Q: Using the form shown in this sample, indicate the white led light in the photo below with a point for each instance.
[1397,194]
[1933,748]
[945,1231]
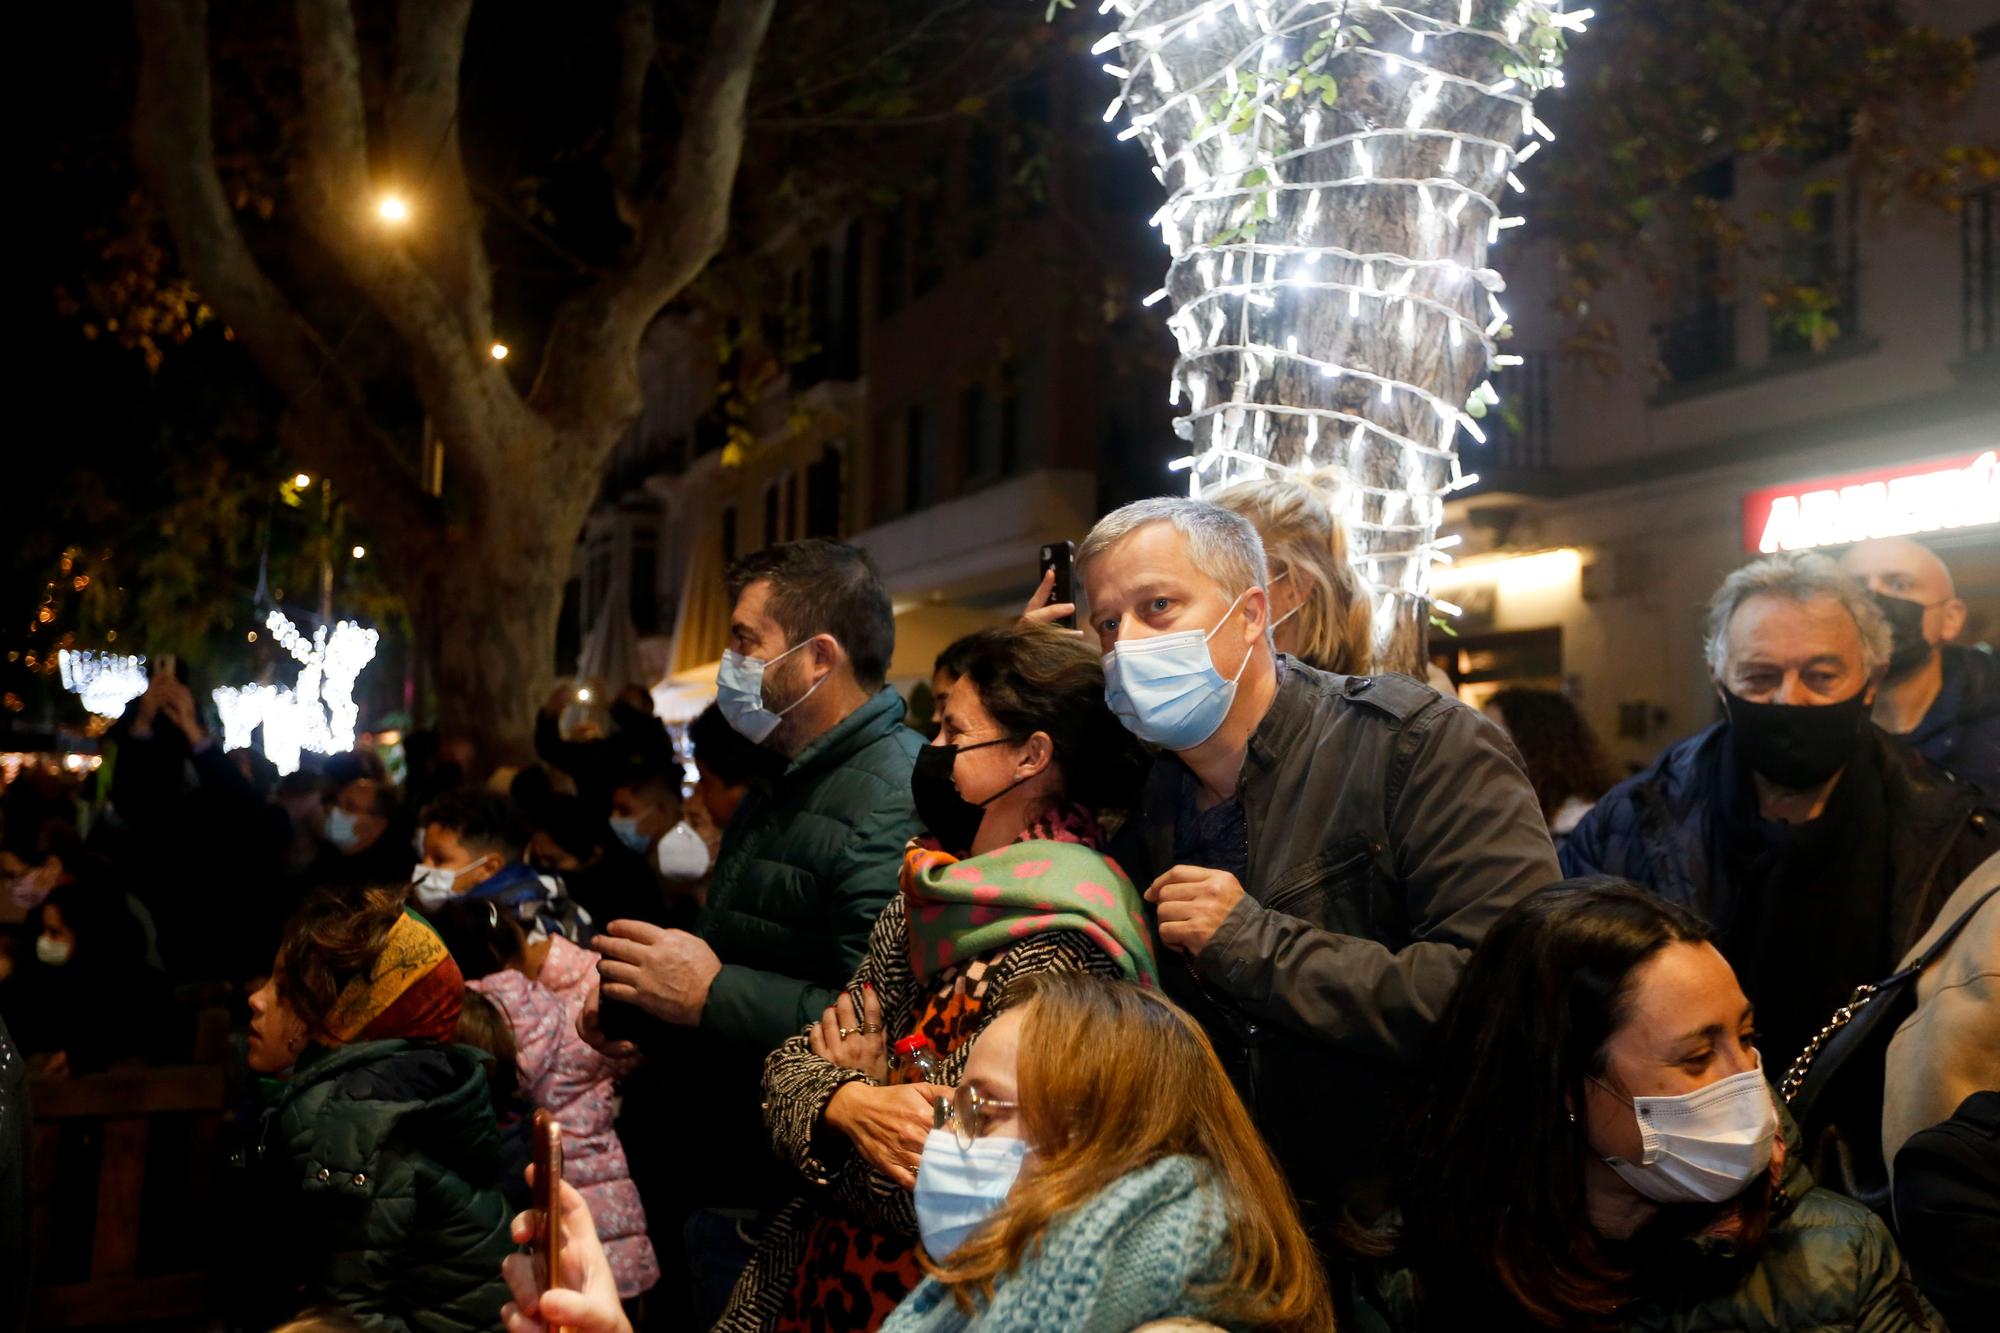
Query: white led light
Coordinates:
[318,713]
[106,682]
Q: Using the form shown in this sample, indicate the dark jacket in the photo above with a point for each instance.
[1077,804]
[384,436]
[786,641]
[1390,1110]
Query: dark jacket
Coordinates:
[15,1118]
[1657,830]
[382,1160]
[1827,1263]
[1948,1209]
[804,869]
[1960,733]
[1388,827]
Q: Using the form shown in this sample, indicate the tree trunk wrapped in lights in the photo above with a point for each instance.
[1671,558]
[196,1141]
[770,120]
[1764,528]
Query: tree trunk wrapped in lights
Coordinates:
[1336,171]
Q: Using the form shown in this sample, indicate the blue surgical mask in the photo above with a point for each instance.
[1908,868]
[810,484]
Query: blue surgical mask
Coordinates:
[626,830]
[340,829]
[1166,689]
[958,1188]
[739,693]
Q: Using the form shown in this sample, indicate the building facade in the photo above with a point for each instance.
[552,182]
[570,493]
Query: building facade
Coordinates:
[1612,503]
[958,378]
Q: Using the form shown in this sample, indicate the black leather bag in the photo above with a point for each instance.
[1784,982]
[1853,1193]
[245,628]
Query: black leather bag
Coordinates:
[1834,1088]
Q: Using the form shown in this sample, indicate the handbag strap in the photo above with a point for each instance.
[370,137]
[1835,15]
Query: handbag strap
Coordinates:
[1795,1077]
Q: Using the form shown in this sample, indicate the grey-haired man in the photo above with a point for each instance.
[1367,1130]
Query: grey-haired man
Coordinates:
[1817,845]
[1321,851]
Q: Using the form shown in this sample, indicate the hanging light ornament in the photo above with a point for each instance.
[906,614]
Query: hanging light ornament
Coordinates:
[318,713]
[1335,171]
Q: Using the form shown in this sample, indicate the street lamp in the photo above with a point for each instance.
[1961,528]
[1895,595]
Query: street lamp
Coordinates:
[499,351]
[302,481]
[360,551]
[393,209]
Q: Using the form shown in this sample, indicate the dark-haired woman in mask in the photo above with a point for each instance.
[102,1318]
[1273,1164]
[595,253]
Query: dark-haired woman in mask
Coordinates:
[1009,882]
[1599,1149]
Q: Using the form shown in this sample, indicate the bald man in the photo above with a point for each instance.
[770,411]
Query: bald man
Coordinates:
[1942,701]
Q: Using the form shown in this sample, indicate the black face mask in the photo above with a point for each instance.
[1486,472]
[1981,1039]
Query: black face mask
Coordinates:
[1908,649]
[1797,746]
[951,819]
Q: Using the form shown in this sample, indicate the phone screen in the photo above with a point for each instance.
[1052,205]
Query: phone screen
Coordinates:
[548,1195]
[1060,556]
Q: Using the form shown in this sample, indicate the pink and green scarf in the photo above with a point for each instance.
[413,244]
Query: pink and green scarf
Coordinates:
[1050,880]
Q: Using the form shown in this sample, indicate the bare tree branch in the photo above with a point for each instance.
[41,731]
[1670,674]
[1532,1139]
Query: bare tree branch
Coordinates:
[637,42]
[175,147]
[467,396]
[422,120]
[590,365]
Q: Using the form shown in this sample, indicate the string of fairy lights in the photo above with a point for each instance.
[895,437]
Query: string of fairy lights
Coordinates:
[1336,171]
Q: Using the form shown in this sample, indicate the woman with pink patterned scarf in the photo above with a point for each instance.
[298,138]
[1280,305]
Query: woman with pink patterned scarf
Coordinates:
[1009,882]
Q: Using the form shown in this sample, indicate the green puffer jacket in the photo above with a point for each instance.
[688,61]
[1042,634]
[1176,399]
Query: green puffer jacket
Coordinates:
[383,1160]
[803,872]
[1828,1264]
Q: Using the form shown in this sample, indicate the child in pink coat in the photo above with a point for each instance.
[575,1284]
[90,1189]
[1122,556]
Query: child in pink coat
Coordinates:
[559,1072]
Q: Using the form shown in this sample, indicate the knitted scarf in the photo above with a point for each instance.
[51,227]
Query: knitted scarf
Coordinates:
[413,990]
[1050,879]
[1126,1257]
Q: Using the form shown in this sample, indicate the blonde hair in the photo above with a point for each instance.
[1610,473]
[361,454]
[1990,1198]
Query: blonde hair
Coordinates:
[1094,1120]
[1294,516]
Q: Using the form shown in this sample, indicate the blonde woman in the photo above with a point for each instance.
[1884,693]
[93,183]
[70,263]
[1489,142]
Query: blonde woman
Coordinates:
[1099,1173]
[1319,610]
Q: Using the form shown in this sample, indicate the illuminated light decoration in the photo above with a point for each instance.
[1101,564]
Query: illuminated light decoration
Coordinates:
[1332,171]
[392,209]
[318,713]
[1525,572]
[498,351]
[106,682]
[1886,502]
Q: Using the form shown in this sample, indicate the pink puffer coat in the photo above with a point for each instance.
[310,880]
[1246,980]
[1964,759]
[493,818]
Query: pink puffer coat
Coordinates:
[565,1077]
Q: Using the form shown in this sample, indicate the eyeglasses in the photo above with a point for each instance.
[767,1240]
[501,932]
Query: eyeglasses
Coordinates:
[973,1114]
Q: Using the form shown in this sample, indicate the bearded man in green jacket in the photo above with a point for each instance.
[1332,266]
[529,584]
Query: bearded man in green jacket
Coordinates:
[807,863]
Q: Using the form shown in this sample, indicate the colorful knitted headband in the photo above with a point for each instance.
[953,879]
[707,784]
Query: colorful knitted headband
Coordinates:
[412,991]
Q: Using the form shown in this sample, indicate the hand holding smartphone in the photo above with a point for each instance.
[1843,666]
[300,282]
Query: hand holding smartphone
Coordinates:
[1060,557]
[548,1156]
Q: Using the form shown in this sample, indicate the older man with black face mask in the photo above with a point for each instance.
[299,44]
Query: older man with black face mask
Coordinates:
[1321,851]
[1943,701]
[1818,846]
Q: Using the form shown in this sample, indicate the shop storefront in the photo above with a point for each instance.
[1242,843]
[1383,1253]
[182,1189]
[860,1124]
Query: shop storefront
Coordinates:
[1602,593]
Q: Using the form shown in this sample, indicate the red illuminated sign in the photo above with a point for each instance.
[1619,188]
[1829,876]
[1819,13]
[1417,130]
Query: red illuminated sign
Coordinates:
[1900,501]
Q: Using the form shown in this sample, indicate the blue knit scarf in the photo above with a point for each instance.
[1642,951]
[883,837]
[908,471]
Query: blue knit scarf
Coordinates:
[1127,1256]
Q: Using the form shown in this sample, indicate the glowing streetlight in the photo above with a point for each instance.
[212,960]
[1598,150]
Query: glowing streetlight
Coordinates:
[393,209]
[583,696]
[360,551]
[302,481]
[499,351]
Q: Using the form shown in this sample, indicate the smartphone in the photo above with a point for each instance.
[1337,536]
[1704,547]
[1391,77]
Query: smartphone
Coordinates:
[1060,556]
[548,1156]
[617,1020]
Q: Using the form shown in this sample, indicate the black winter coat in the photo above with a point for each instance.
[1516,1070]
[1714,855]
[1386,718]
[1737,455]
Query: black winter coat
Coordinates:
[1657,829]
[1388,827]
[382,1160]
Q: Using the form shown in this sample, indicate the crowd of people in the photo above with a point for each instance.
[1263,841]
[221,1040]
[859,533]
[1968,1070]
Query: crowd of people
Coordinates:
[1189,973]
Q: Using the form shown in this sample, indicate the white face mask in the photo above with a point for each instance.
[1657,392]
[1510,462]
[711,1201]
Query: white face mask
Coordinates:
[435,886]
[1701,1147]
[681,854]
[54,953]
